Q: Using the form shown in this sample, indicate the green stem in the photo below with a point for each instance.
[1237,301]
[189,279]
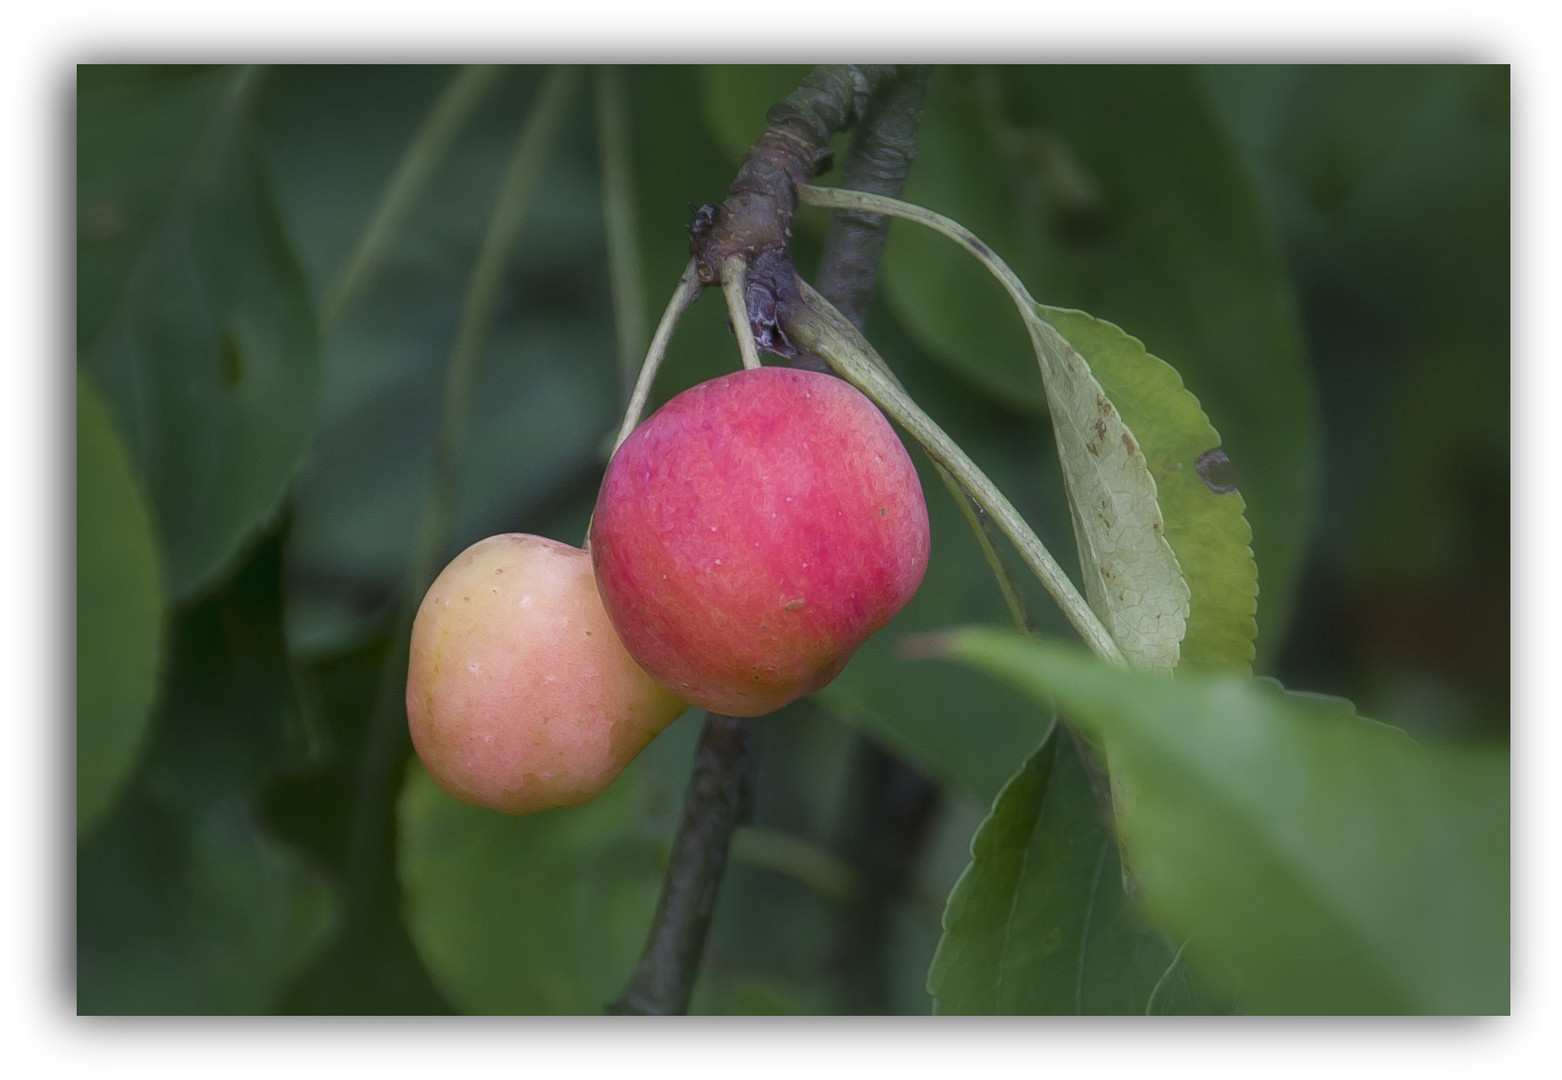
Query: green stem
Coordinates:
[785,853]
[818,326]
[734,272]
[981,528]
[864,202]
[618,213]
[683,298]
[444,122]
[387,732]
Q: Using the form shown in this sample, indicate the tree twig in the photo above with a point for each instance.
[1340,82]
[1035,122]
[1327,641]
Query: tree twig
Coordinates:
[754,222]
[882,150]
[719,798]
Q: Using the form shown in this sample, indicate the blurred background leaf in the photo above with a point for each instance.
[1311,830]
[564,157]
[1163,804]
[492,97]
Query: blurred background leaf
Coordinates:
[544,397]
[539,914]
[1389,188]
[191,313]
[119,611]
[186,901]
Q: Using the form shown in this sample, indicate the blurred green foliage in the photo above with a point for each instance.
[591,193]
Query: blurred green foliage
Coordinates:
[1321,252]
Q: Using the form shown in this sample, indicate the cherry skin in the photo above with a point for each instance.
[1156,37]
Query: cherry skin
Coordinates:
[519,695]
[753,532]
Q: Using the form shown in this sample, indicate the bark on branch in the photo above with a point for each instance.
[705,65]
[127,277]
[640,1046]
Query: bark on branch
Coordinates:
[719,798]
[754,222]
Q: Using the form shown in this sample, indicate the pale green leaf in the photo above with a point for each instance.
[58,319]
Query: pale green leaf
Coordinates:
[1204,519]
[1132,578]
[119,611]
[1314,861]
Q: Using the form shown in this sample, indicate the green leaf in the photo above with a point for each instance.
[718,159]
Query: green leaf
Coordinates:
[1039,924]
[1316,862]
[1132,577]
[186,903]
[1116,190]
[1391,187]
[1204,524]
[545,913]
[189,913]
[951,306]
[192,315]
[119,611]
[370,966]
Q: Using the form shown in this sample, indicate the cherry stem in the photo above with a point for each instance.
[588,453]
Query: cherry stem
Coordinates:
[683,298]
[734,277]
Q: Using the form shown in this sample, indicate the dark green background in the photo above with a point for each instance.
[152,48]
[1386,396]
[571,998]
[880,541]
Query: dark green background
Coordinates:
[1323,252]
